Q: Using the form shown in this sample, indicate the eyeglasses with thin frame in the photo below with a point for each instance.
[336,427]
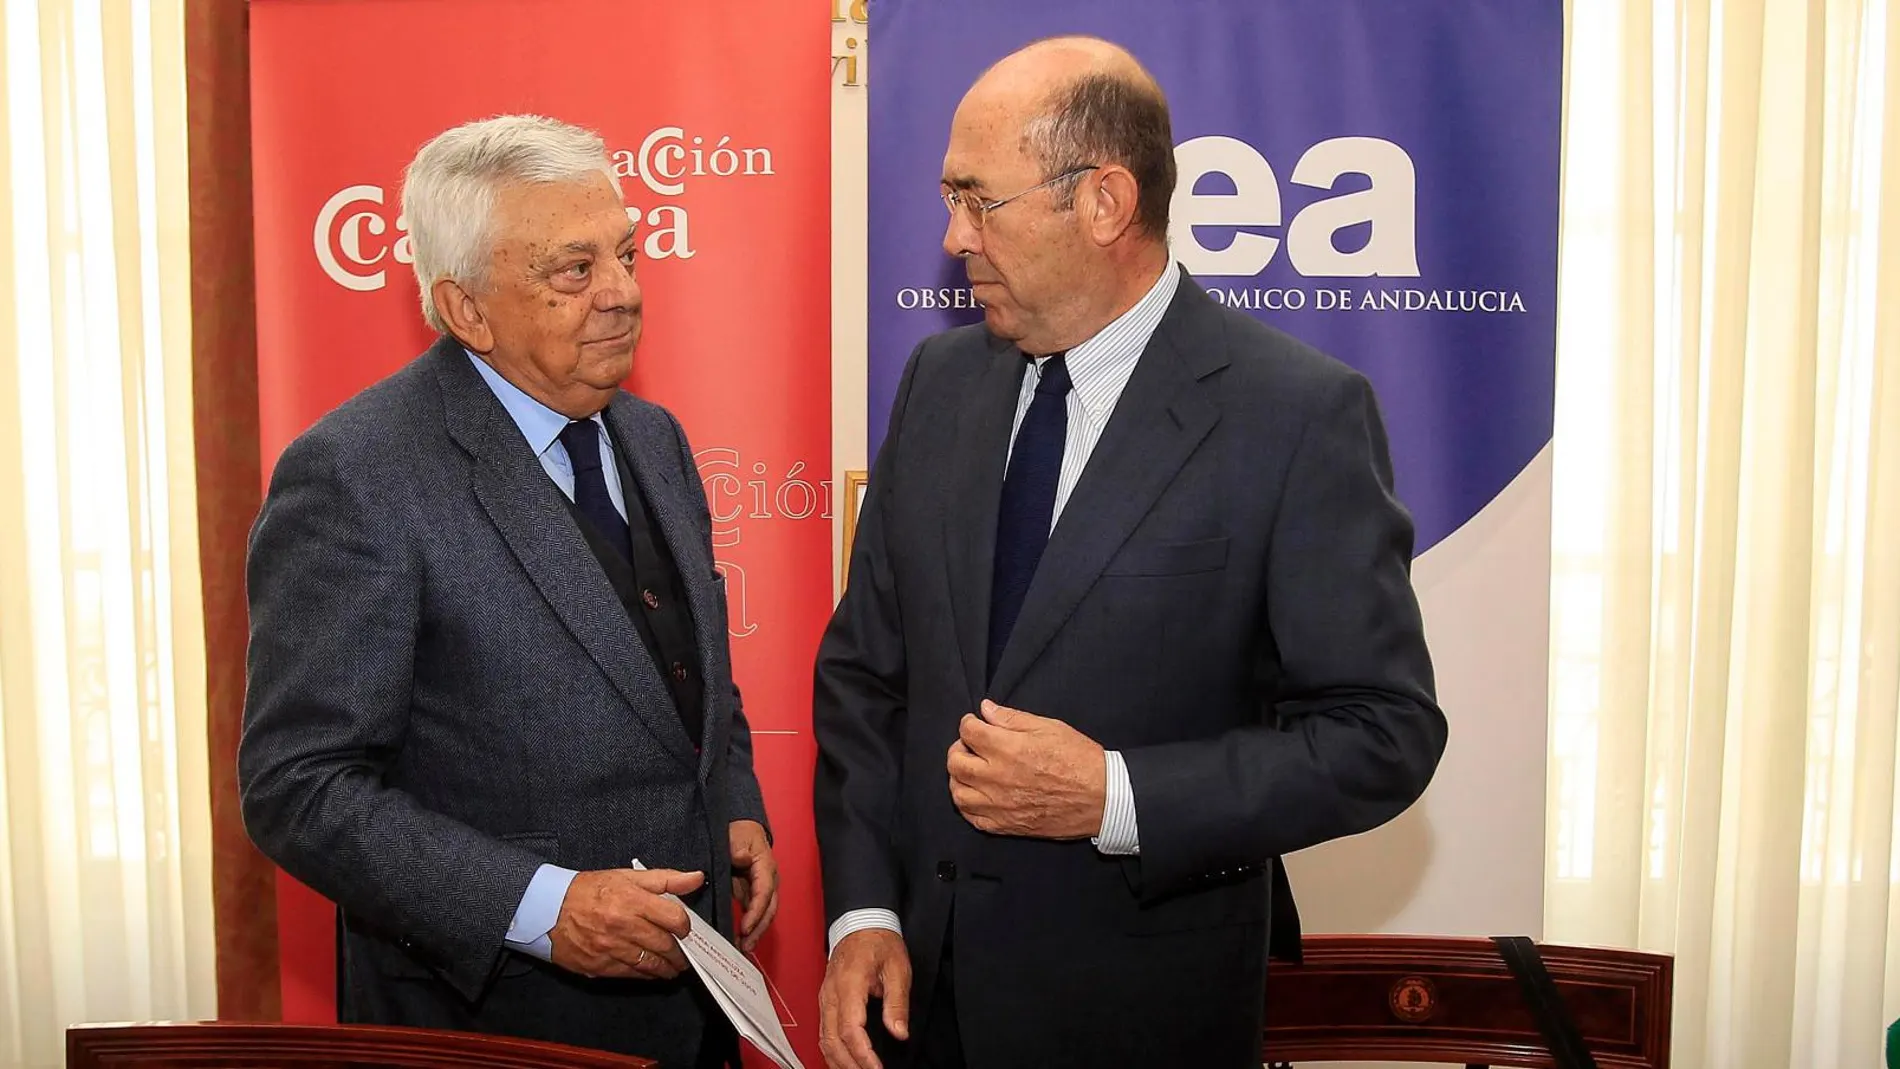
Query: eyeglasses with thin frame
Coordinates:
[977,210]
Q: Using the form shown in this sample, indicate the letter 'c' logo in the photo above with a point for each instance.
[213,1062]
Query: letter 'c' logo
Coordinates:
[340,231]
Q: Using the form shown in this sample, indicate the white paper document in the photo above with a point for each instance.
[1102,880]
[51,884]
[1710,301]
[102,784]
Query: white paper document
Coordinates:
[738,986]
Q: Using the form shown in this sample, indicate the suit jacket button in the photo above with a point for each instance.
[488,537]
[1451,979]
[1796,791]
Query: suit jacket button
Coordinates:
[679,672]
[652,599]
[946,871]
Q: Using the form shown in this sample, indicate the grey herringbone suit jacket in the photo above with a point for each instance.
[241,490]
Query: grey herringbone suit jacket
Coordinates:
[444,692]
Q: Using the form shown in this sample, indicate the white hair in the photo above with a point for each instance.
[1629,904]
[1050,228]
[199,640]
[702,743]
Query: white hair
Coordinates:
[449,191]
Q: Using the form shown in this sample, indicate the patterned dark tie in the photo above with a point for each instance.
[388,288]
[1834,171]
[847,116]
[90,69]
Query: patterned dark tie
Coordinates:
[1029,501]
[581,439]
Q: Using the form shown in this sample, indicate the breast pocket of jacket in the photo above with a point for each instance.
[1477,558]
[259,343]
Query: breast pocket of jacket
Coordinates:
[1169,558]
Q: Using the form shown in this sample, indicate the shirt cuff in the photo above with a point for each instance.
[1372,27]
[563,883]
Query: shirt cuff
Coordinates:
[859,920]
[1119,834]
[540,908]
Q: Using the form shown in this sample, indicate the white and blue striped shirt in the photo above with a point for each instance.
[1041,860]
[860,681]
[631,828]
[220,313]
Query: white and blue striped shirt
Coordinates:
[1099,370]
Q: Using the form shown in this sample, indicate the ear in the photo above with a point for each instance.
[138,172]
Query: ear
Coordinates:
[1107,198]
[458,309]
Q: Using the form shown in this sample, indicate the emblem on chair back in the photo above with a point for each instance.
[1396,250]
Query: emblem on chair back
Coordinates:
[1413,999]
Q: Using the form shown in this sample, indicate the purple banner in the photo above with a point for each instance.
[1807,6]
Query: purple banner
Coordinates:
[1376,177]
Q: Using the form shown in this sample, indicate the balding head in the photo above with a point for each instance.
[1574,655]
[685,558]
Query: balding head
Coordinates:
[1079,101]
[1044,66]
[1040,66]
[1060,168]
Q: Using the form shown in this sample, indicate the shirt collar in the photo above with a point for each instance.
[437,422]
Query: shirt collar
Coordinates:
[539,424]
[1110,355]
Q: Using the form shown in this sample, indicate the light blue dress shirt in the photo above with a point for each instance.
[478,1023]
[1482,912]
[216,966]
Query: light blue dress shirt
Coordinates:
[541,906]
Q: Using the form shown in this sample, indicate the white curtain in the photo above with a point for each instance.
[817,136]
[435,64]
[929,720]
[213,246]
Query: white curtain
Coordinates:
[105,901]
[1726,602]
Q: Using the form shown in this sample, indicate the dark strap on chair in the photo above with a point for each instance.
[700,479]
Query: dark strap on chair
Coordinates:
[1547,1005]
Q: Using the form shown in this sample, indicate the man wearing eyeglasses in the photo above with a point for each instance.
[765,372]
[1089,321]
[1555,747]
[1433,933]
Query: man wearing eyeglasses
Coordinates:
[1129,616]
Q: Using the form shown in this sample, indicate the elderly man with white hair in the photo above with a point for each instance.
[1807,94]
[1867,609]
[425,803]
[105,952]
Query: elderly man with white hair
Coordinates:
[489,666]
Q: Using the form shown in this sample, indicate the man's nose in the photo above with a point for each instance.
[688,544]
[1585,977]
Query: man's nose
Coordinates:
[617,288]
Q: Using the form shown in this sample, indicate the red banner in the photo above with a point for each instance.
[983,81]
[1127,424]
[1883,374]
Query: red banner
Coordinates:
[718,119]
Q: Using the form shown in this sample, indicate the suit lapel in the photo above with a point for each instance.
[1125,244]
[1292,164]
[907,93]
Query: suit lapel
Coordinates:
[526,508]
[1161,418]
[652,451]
[982,440]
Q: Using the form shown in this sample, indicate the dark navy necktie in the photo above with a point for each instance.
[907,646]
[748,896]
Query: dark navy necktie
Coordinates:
[581,439]
[1029,501]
